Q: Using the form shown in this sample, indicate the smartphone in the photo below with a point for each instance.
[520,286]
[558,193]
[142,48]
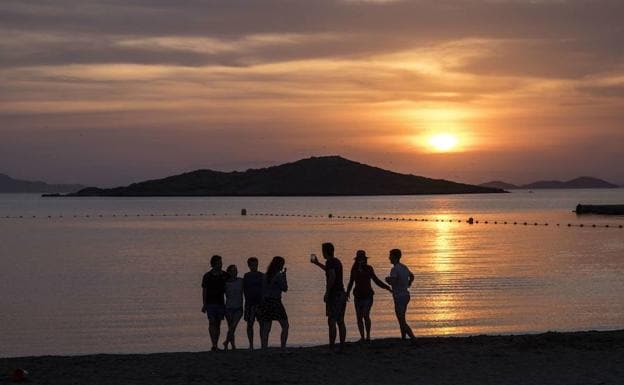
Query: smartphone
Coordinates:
[313,258]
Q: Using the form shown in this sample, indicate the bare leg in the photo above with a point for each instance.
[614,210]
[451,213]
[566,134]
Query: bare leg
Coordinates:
[342,329]
[367,322]
[233,324]
[405,329]
[265,329]
[332,332]
[284,336]
[360,322]
[214,328]
[250,334]
[228,320]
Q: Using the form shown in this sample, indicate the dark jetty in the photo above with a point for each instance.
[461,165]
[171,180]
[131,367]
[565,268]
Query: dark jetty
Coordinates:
[317,176]
[600,209]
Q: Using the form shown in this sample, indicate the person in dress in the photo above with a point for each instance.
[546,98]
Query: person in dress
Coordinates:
[360,281]
[271,309]
[400,279]
[213,292]
[252,288]
[233,305]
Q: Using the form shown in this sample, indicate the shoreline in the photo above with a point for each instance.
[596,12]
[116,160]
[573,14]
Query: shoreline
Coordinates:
[591,357]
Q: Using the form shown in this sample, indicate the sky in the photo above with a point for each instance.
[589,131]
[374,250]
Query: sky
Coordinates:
[112,92]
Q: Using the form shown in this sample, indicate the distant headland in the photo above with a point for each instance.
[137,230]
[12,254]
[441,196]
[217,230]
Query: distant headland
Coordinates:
[316,176]
[12,185]
[578,183]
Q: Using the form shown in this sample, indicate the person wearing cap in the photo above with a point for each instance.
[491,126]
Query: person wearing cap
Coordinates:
[360,281]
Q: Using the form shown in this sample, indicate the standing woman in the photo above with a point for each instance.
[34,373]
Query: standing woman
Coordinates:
[233,304]
[271,309]
[361,275]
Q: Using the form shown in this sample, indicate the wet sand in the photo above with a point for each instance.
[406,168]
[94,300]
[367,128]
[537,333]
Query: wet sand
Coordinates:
[551,358]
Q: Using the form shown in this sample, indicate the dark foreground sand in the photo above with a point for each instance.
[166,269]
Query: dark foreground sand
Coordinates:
[552,358]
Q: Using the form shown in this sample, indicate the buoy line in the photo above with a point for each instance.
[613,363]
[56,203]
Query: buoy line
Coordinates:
[469,221]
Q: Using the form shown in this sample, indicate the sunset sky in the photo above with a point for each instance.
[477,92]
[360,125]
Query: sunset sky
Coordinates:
[112,92]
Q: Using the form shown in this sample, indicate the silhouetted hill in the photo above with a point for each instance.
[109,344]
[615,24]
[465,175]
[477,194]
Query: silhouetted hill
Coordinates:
[499,184]
[582,182]
[317,176]
[10,185]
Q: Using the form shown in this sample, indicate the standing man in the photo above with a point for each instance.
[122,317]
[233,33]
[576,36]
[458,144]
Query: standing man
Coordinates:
[252,287]
[335,297]
[400,279]
[213,293]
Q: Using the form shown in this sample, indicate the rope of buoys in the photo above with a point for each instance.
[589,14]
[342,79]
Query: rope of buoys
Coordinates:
[244,212]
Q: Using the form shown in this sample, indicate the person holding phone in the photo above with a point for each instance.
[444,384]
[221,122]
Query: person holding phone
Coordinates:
[271,309]
[335,297]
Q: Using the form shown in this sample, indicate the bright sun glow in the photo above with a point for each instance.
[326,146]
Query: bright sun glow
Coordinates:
[443,142]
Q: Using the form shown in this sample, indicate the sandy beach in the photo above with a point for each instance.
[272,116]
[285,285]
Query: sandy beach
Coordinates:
[551,358]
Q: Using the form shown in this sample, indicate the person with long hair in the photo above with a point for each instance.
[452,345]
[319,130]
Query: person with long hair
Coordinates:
[233,305]
[361,276]
[271,309]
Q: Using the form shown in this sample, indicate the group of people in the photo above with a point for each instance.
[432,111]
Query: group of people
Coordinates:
[258,297]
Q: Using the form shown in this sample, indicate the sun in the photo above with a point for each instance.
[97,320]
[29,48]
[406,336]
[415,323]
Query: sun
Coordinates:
[442,142]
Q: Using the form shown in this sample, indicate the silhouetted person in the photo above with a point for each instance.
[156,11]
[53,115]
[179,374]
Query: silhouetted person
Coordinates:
[213,292]
[361,276]
[400,279]
[271,309]
[252,287]
[335,297]
[233,304]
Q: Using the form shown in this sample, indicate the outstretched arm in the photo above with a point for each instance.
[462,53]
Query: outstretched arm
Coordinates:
[378,281]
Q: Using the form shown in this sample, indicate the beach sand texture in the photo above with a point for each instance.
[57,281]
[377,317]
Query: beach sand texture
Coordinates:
[551,358]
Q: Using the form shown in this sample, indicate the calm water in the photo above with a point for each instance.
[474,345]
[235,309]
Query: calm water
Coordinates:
[74,285]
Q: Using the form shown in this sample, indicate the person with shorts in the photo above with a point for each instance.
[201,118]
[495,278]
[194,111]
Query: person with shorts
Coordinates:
[252,288]
[335,297]
[361,276]
[233,305]
[213,293]
[271,309]
[400,279]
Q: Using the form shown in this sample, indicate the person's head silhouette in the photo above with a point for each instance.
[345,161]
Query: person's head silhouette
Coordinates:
[252,263]
[328,250]
[216,262]
[395,256]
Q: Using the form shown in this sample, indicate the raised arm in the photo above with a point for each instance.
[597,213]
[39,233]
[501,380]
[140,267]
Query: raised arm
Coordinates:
[317,263]
[378,281]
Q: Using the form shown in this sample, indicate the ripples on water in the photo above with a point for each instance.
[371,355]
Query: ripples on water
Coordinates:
[127,284]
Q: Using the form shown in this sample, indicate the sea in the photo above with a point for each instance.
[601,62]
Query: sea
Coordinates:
[123,275]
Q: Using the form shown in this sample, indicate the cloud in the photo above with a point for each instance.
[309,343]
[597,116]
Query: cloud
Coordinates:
[322,75]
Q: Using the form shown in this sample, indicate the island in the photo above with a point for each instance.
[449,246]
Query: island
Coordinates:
[316,176]
[11,185]
[577,183]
